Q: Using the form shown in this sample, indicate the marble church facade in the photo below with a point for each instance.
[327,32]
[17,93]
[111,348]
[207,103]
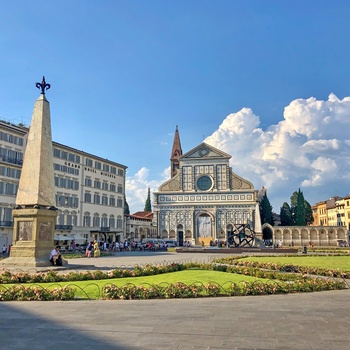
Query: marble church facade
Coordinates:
[204,199]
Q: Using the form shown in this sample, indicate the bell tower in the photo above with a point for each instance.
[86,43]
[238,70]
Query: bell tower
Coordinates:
[175,153]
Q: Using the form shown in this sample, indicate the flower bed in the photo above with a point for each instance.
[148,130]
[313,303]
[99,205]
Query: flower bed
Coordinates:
[285,267]
[277,281]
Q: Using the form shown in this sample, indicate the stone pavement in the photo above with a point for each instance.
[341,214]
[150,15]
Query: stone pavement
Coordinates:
[294,321]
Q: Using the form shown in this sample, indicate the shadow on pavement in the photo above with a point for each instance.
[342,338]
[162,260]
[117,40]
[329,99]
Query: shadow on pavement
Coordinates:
[22,329]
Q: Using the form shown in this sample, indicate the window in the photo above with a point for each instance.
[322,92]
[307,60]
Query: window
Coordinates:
[97,183]
[61,219]
[120,189]
[87,197]
[112,201]
[104,221]
[120,172]
[119,222]
[104,200]
[96,220]
[119,203]
[87,219]
[105,186]
[69,219]
[204,183]
[106,167]
[112,221]
[113,170]
[88,182]
[97,198]
[98,165]
[112,187]
[74,219]
[88,162]
[64,155]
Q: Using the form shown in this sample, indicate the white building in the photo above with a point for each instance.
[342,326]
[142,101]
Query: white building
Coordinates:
[204,199]
[89,190]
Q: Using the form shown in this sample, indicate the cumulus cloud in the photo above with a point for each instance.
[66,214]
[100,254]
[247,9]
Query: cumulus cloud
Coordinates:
[136,187]
[308,149]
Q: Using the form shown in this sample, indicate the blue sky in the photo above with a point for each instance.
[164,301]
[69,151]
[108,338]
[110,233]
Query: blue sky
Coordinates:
[123,74]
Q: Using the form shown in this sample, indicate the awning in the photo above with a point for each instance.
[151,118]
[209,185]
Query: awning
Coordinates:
[76,238]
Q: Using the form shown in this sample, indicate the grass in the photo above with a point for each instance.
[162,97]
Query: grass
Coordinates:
[327,262]
[93,289]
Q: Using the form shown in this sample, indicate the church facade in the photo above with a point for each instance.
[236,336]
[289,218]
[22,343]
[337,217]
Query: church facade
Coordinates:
[204,199]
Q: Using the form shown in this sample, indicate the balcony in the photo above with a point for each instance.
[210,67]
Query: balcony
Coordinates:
[6,223]
[64,227]
[11,160]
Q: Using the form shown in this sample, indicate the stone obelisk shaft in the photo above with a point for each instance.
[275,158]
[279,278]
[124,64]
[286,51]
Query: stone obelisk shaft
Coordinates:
[35,213]
[36,185]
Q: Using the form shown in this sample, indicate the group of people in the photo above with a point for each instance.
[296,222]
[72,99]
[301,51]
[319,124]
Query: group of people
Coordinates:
[93,247]
[217,243]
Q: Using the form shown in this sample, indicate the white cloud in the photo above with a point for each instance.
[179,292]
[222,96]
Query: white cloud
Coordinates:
[309,148]
[137,187]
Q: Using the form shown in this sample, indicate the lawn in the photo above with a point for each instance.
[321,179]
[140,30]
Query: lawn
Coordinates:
[327,262]
[93,289]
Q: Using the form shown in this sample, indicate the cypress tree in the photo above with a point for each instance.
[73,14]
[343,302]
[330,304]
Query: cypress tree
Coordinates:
[126,207]
[300,219]
[286,215]
[148,206]
[309,217]
[266,211]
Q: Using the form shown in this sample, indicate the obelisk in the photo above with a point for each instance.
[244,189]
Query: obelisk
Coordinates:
[35,213]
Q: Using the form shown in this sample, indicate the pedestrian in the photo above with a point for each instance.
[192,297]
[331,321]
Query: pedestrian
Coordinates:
[4,250]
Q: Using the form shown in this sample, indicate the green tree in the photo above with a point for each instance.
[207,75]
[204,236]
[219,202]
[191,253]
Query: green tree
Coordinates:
[300,219]
[300,209]
[126,207]
[148,206]
[286,215]
[309,217]
[266,211]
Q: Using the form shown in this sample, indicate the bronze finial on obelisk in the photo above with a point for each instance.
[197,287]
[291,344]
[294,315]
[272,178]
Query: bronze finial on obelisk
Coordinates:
[43,86]
[35,212]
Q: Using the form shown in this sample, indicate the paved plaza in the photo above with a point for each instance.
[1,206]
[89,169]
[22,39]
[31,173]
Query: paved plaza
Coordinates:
[294,321]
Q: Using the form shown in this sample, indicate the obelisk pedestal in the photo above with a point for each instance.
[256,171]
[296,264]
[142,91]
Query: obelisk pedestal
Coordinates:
[35,212]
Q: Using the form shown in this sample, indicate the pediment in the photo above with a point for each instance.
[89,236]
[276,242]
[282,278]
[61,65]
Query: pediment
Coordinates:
[205,151]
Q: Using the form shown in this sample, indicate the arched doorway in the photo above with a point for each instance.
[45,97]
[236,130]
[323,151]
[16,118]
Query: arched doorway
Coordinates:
[180,235]
[267,236]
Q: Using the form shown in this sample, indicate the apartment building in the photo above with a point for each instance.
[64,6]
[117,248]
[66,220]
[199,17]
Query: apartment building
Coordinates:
[90,190]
